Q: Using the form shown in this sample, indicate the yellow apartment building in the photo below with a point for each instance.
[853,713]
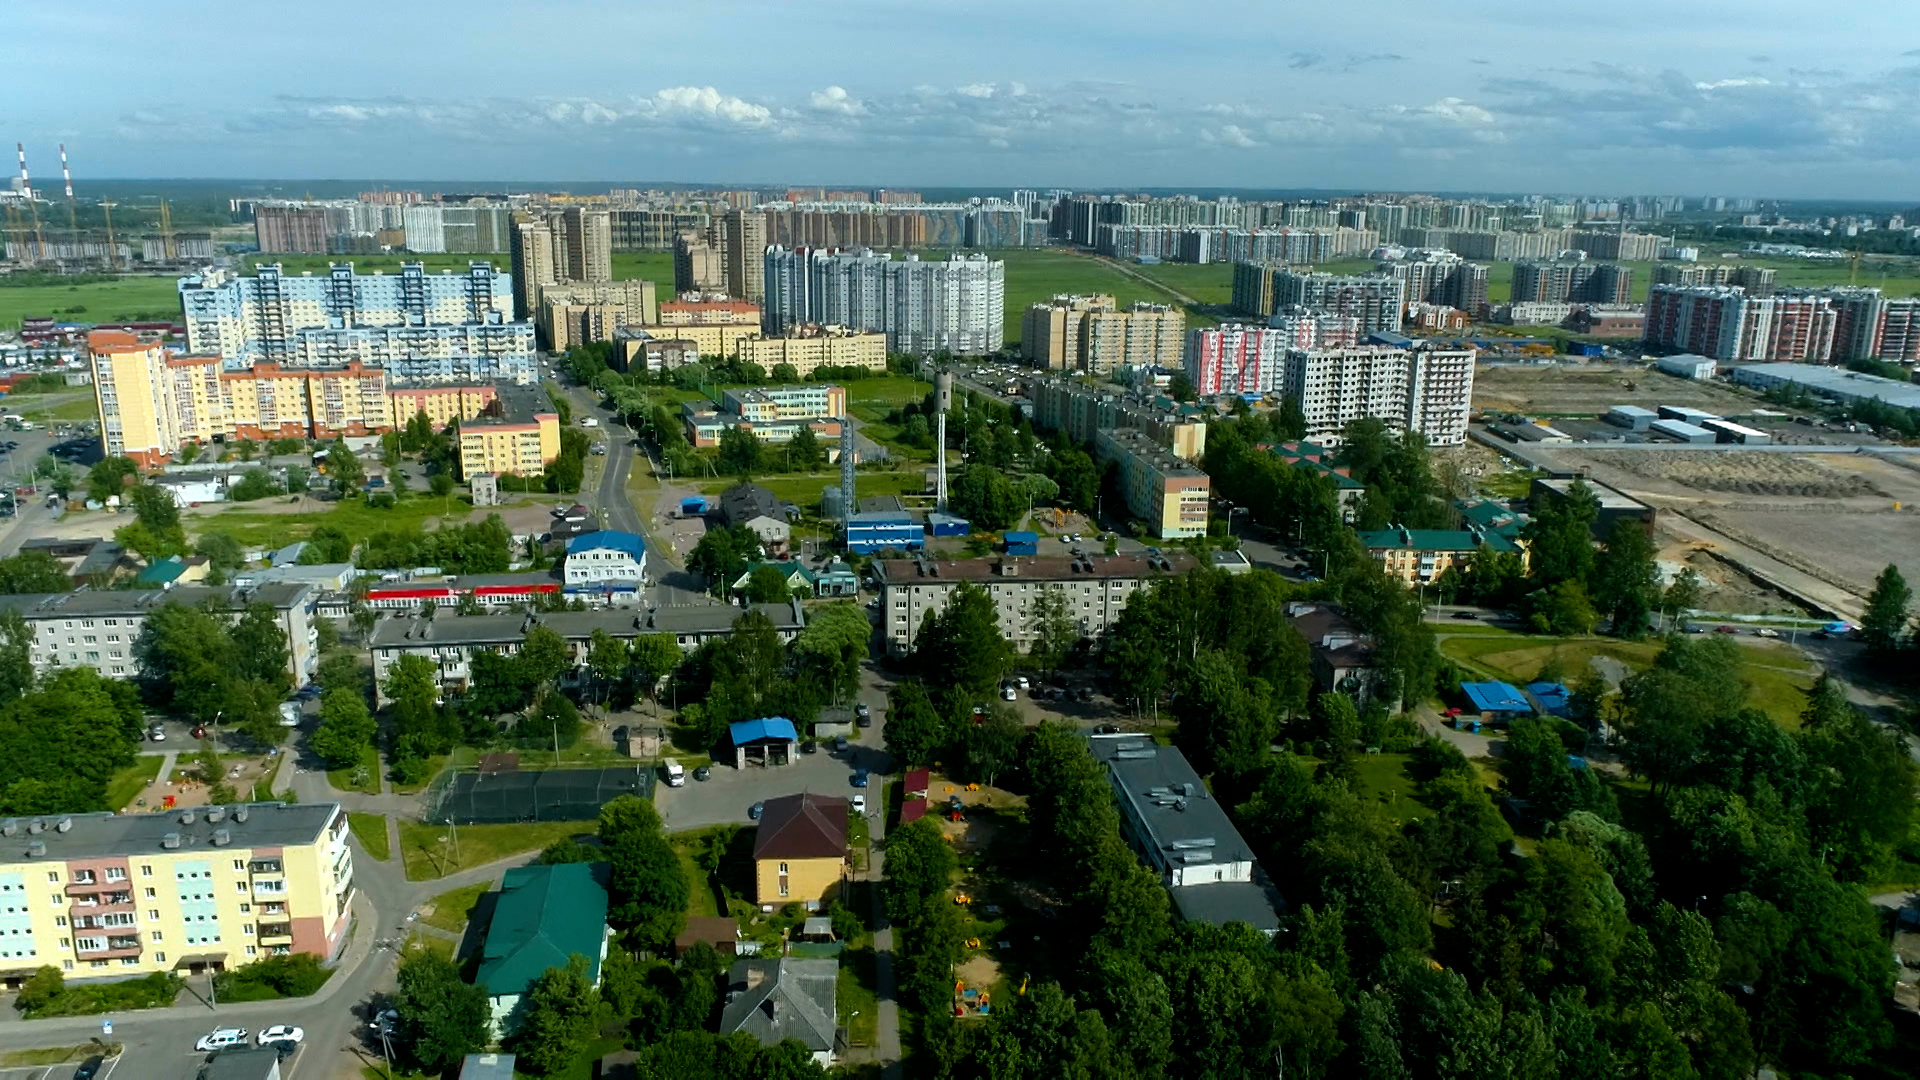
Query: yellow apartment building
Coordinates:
[135,393]
[519,433]
[114,895]
[812,347]
[442,404]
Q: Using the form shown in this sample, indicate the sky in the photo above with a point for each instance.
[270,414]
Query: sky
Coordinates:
[1735,97]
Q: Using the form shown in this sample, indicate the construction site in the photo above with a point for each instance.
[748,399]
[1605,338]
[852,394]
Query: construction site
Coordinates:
[71,236]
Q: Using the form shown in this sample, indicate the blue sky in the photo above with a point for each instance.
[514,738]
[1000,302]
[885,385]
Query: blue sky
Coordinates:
[1758,97]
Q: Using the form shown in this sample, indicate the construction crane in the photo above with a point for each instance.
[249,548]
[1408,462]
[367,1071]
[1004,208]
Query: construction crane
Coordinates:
[106,207]
[166,231]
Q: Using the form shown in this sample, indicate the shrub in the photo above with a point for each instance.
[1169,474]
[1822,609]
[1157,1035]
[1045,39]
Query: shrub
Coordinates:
[271,977]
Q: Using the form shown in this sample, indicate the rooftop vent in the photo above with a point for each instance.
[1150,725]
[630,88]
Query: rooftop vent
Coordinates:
[216,814]
[36,848]
[239,813]
[186,817]
[1134,755]
[171,841]
[65,824]
[11,827]
[36,827]
[221,838]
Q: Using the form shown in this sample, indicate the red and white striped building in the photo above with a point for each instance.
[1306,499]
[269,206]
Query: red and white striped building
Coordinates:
[1236,358]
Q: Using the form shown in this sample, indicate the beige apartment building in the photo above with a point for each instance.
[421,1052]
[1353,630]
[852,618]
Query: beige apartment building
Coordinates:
[575,244]
[135,393]
[699,266]
[746,233]
[576,312]
[1093,334]
[108,896]
[812,346]
[518,433]
[1166,492]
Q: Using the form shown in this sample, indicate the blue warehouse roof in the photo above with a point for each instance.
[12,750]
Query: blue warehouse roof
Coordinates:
[631,543]
[770,727]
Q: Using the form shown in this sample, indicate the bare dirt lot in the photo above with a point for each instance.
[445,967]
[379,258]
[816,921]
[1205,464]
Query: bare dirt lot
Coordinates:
[1591,389]
[1840,518]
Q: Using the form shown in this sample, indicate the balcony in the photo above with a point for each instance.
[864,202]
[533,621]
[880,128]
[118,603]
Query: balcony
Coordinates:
[276,887]
[109,948]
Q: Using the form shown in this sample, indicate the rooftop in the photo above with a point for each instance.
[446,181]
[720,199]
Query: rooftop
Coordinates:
[1835,381]
[805,826]
[1144,774]
[1223,902]
[1610,499]
[512,404]
[544,916]
[790,998]
[93,836]
[1434,540]
[1032,568]
[1496,697]
[573,625]
[771,727]
[123,603]
[610,539]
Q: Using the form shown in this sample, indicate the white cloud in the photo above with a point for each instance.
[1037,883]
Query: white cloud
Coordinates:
[705,101]
[1229,135]
[976,90]
[836,100]
[1727,84]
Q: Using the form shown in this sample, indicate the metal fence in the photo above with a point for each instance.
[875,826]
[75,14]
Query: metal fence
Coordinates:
[476,798]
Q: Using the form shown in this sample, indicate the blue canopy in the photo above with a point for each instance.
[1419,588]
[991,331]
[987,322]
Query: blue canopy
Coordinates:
[771,727]
[1495,697]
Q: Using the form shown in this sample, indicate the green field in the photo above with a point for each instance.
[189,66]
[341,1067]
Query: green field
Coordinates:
[452,909]
[434,851]
[654,266]
[142,299]
[804,489]
[253,527]
[1034,276]
[1209,283]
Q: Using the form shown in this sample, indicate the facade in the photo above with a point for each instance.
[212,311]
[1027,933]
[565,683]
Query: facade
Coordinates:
[293,230]
[1095,588]
[117,895]
[1092,334]
[1376,299]
[881,530]
[1305,328]
[1184,835]
[606,562]
[518,433]
[746,240]
[578,312]
[570,245]
[1623,246]
[1756,280]
[698,266]
[800,850]
[272,316]
[1418,556]
[98,628]
[1424,389]
[1724,323]
[1235,358]
[543,916]
[764,404]
[1572,281]
[1441,277]
[1082,409]
[772,414]
[1167,492]
[1348,493]
[1838,384]
[955,305]
[808,347]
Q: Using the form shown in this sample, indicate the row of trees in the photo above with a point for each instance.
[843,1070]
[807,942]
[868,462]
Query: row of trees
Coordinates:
[216,666]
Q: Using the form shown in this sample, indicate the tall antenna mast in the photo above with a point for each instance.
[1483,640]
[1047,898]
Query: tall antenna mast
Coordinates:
[33,205]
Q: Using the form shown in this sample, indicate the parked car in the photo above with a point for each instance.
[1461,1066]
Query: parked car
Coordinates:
[157,733]
[809,747]
[1725,630]
[859,804]
[199,731]
[859,778]
[1465,615]
[676,773]
[1020,681]
[1008,693]
[1107,729]
[1766,631]
[754,811]
[89,1068]
[703,773]
[280,1033]
[840,744]
[863,716]
[221,1038]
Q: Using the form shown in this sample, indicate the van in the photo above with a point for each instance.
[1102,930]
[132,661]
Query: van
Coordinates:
[221,1038]
[676,775]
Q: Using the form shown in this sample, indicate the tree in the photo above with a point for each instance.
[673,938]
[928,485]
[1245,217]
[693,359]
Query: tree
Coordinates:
[917,733]
[556,1019]
[767,585]
[1180,387]
[1560,536]
[960,646]
[740,452]
[33,572]
[110,476]
[983,495]
[1054,630]
[920,866]
[344,469]
[805,451]
[441,484]
[649,889]
[607,660]
[721,555]
[346,728]
[833,644]
[1626,579]
[443,1017]
[1564,609]
[16,656]
[1682,595]
[1885,623]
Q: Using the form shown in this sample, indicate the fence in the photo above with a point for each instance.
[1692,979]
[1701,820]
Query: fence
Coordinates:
[476,798]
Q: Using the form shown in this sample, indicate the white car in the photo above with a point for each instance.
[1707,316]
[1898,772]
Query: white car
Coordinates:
[221,1039]
[1766,631]
[859,804]
[1008,693]
[280,1033]
[1020,682]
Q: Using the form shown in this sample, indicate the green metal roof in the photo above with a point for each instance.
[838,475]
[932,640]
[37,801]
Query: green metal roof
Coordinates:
[164,571]
[544,915]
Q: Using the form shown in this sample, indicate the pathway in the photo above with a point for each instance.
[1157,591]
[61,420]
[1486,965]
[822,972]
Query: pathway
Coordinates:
[887,1043]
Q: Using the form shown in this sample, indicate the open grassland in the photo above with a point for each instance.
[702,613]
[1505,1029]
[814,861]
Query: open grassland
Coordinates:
[654,266]
[1776,678]
[434,851]
[371,831]
[250,525]
[1036,275]
[1208,283]
[130,299]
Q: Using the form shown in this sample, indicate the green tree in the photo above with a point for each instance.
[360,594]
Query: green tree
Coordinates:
[767,585]
[1626,579]
[346,728]
[1885,624]
[110,477]
[740,452]
[1053,629]
[442,1016]
[648,891]
[556,1019]
[920,866]
[607,661]
[960,647]
[805,451]
[33,572]
[1560,537]
[917,733]
[833,645]
[344,469]
[986,497]
[16,656]
[1564,609]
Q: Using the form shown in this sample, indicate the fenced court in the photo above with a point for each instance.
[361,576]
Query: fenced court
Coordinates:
[499,797]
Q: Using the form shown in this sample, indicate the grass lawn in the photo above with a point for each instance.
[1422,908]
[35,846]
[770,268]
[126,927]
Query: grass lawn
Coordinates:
[654,266]
[1384,777]
[252,527]
[1037,275]
[371,831]
[137,298]
[1209,283]
[62,406]
[700,898]
[1777,686]
[1512,484]
[582,1067]
[128,783]
[56,1055]
[803,489]
[858,998]
[369,782]
[429,852]
[451,909]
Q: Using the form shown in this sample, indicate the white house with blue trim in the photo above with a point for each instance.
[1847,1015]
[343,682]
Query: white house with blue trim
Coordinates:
[608,564]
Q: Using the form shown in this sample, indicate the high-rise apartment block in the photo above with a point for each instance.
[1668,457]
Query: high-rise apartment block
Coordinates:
[809,348]
[1756,280]
[1724,323]
[746,233]
[1623,246]
[574,244]
[955,305]
[1092,334]
[437,228]
[456,323]
[1572,281]
[1236,358]
[1441,277]
[113,895]
[1377,300]
[575,312]
[1423,389]
[1305,328]
[1082,408]
[292,230]
[698,266]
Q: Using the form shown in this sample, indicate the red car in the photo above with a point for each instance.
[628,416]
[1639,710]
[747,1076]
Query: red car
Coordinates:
[1451,713]
[1725,630]
[199,731]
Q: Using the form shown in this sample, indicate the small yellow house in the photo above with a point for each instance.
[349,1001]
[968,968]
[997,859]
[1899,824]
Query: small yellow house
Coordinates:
[800,850]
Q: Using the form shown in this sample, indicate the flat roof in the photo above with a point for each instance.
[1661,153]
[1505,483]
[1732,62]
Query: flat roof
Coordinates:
[1138,766]
[134,603]
[1632,410]
[93,836]
[1836,381]
[1496,697]
[1030,568]
[1681,428]
[1223,902]
[1610,498]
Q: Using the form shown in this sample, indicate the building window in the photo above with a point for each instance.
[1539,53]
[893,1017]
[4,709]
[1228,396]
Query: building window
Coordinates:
[157,935]
[239,865]
[151,894]
[250,950]
[160,957]
[115,873]
[66,965]
[240,887]
[59,920]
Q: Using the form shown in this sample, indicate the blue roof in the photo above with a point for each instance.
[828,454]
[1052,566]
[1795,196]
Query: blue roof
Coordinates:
[1021,536]
[771,727]
[1495,697]
[1552,696]
[880,517]
[631,543]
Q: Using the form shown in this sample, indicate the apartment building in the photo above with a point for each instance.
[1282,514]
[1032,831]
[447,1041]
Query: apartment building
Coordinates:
[1095,587]
[1165,491]
[1724,323]
[746,242]
[1376,299]
[955,305]
[605,563]
[97,629]
[1572,281]
[264,316]
[654,229]
[1082,409]
[518,432]
[698,266]
[433,228]
[1623,246]
[576,312]
[292,230]
[709,311]
[566,245]
[1418,556]
[1756,280]
[809,347]
[452,641]
[1235,358]
[1093,334]
[1424,389]
[1441,277]
[109,896]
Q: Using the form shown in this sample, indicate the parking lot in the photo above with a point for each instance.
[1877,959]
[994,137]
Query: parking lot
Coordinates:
[729,793]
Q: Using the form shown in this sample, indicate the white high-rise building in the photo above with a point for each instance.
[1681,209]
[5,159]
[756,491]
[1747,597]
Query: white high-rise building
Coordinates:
[274,317]
[956,304]
[1421,389]
[1236,358]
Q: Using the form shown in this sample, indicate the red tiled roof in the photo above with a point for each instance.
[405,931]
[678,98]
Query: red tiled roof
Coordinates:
[802,827]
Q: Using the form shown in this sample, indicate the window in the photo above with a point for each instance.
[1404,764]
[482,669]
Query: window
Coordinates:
[240,887]
[239,865]
[59,920]
[53,876]
[246,909]
[250,950]
[129,961]
[153,915]
[116,873]
[783,886]
[66,965]
[160,957]
[151,894]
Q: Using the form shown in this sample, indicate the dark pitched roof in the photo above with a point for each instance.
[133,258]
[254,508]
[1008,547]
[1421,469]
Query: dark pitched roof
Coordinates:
[742,503]
[790,999]
[802,827]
